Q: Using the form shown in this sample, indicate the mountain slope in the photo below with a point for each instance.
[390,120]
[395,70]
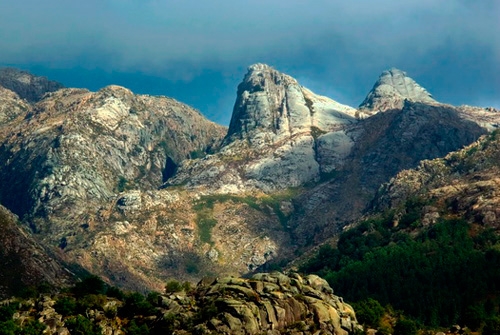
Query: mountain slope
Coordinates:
[387,143]
[24,263]
[463,183]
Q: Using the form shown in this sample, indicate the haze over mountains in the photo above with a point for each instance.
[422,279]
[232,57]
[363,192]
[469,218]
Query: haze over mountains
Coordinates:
[138,188]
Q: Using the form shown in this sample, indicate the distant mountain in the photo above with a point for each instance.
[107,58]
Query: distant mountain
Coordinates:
[27,86]
[139,189]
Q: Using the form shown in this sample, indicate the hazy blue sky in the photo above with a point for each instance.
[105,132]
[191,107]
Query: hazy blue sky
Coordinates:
[198,51]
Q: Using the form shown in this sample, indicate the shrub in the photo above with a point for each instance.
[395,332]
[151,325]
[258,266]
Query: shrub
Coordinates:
[65,306]
[8,328]
[492,326]
[115,292]
[136,304]
[134,329]
[90,285]
[80,325]
[6,312]
[173,286]
[32,327]
[369,312]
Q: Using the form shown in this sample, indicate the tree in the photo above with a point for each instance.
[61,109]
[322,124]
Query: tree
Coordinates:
[369,312]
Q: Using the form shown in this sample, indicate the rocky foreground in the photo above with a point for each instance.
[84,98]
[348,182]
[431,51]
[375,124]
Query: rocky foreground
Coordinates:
[264,304]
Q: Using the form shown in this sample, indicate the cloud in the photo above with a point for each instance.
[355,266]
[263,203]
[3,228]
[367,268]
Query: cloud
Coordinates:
[339,47]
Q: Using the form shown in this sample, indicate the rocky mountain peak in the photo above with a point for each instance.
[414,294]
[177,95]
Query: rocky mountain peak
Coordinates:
[27,86]
[261,103]
[390,91]
[272,106]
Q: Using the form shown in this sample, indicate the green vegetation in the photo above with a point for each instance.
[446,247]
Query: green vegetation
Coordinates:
[269,204]
[80,325]
[197,154]
[405,327]
[173,286]
[369,312]
[122,184]
[9,327]
[86,304]
[439,275]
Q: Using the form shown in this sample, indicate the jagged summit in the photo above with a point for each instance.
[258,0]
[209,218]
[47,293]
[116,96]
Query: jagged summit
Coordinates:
[273,105]
[390,91]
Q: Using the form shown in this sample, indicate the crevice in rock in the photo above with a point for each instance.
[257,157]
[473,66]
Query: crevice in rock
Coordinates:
[169,170]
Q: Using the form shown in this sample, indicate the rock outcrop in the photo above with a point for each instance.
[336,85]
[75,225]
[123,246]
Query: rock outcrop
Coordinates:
[11,106]
[391,90]
[275,304]
[27,86]
[271,304]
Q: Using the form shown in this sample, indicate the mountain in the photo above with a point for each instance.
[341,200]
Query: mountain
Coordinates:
[67,156]
[281,135]
[139,189]
[27,86]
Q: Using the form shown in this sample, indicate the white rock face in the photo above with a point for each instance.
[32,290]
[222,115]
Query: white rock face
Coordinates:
[332,150]
[273,138]
[390,91]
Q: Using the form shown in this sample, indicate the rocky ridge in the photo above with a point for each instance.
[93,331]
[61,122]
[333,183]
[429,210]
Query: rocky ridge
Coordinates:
[69,156]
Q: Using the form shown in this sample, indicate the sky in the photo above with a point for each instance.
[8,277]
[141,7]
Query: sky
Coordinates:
[198,51]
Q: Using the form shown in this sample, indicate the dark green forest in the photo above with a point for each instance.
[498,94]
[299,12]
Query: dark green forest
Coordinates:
[439,275]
